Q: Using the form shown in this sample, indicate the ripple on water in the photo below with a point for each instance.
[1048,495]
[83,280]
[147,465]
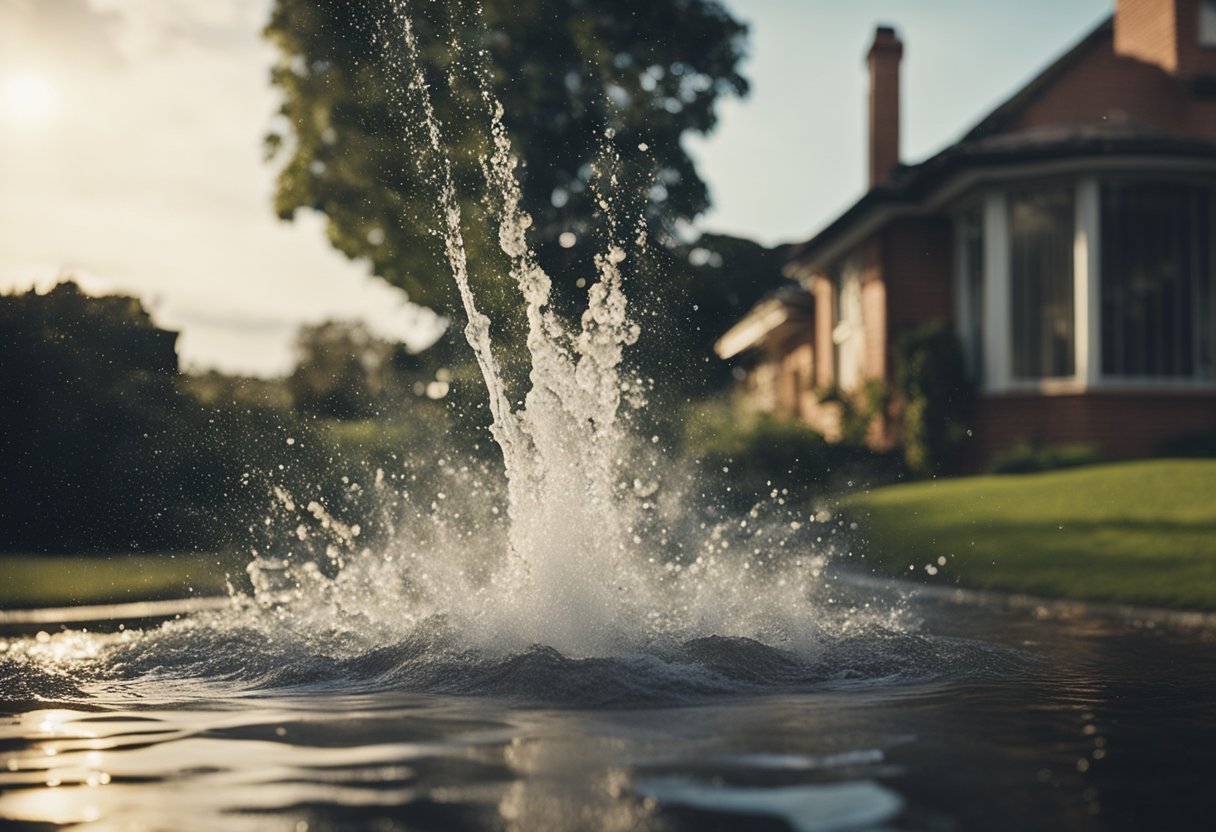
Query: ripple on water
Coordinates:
[210,657]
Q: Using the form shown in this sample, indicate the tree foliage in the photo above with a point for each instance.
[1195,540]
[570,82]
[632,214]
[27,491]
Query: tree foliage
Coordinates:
[104,450]
[344,371]
[72,369]
[564,70]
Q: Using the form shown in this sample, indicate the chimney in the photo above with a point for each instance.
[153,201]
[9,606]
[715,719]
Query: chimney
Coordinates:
[883,60]
[1179,36]
[1147,30]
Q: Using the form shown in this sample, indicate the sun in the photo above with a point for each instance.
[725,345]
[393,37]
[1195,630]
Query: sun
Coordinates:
[28,100]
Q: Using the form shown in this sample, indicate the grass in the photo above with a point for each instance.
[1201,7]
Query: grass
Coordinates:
[65,580]
[1133,532]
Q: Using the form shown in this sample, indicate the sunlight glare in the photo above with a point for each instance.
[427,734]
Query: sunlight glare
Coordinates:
[28,100]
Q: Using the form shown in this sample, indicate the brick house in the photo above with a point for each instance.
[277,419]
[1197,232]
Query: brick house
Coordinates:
[1068,237]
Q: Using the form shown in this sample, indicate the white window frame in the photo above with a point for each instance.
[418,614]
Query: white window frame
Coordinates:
[995,330]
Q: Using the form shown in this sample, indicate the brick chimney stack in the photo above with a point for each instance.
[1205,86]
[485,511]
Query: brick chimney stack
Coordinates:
[1179,36]
[883,60]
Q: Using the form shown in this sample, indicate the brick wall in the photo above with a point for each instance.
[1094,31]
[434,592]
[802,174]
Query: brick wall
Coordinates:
[1104,87]
[918,262]
[796,375]
[1194,59]
[1124,78]
[1123,425]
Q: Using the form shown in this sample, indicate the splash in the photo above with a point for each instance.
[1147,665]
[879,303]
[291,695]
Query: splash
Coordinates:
[596,554]
[590,564]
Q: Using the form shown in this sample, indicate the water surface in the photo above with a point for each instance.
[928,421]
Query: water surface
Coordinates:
[961,717]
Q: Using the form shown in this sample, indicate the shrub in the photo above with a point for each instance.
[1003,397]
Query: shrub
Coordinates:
[754,453]
[858,409]
[1194,445]
[937,396]
[1026,457]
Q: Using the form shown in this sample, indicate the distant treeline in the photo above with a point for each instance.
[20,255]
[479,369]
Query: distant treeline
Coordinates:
[106,447]
[101,449]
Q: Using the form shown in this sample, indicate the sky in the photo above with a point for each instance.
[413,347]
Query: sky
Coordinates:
[131,150]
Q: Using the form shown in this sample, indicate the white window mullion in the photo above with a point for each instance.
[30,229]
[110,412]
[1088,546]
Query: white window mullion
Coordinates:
[962,291]
[998,349]
[1087,310]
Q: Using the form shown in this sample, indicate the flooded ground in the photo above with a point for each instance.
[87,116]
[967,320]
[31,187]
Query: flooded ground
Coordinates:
[970,716]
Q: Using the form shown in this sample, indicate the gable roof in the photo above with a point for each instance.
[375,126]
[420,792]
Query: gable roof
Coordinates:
[911,185]
[1007,111]
[985,145]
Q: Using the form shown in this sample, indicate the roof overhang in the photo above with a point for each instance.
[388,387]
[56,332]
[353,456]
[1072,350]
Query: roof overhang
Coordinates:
[936,185]
[751,331]
[776,316]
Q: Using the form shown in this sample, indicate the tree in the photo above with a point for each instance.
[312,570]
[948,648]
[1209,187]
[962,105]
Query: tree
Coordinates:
[343,371]
[104,450]
[564,70]
[716,280]
[88,383]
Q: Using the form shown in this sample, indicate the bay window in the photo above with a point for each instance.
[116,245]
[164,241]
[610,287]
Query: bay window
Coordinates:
[1091,282]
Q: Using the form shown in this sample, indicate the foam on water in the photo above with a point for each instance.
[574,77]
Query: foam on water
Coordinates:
[248,651]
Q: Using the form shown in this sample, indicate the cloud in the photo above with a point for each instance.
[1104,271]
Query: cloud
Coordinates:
[154,27]
[57,33]
[154,179]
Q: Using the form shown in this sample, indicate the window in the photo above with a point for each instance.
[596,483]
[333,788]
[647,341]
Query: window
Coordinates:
[1141,311]
[971,288]
[847,334]
[1207,23]
[1041,233]
[1157,286]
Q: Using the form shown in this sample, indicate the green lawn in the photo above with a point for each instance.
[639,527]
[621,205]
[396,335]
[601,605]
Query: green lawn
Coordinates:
[63,580]
[1134,532]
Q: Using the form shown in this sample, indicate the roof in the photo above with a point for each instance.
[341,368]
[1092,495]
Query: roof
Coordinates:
[911,185]
[789,304]
[1008,109]
[985,146]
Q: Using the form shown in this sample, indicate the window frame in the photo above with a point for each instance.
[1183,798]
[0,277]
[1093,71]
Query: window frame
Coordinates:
[994,329]
[1031,299]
